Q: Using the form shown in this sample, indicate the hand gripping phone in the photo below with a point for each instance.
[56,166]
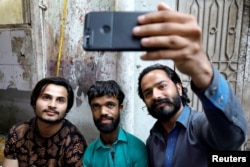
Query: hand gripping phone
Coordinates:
[111,31]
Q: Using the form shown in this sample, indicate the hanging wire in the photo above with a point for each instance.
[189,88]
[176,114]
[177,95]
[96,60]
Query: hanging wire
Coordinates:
[61,38]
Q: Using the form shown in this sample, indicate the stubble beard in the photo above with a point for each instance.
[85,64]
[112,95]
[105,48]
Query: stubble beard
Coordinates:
[166,112]
[49,121]
[107,128]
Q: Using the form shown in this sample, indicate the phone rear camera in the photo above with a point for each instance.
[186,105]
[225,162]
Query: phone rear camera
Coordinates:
[105,29]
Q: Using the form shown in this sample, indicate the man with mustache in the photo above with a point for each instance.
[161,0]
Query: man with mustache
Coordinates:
[115,147]
[48,139]
[181,136]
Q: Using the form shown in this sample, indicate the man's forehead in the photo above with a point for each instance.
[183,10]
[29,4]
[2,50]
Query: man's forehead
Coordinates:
[53,89]
[154,77]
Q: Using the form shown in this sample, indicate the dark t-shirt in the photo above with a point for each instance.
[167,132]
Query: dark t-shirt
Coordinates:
[64,149]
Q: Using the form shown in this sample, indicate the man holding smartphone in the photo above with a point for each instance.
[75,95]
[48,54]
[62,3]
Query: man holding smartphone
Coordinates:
[182,136]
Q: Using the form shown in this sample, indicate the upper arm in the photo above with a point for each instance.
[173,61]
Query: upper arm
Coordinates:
[75,150]
[10,162]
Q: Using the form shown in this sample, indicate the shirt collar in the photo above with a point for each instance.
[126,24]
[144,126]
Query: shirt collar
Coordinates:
[183,117]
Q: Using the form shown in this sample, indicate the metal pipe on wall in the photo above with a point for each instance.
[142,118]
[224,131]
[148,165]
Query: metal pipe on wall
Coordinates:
[43,8]
[125,73]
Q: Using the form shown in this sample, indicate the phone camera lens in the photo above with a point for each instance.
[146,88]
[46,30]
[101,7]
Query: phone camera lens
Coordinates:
[106,29]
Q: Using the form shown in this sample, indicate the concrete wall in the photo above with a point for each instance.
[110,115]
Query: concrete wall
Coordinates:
[29,53]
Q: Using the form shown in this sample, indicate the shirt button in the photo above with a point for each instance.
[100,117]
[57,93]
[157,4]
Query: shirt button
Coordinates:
[213,90]
[219,100]
[234,118]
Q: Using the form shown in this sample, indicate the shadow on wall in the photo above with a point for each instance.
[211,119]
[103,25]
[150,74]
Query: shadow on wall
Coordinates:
[14,108]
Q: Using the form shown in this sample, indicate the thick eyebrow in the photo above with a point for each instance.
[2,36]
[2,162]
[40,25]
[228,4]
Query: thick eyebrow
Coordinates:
[94,104]
[156,84]
[45,94]
[107,102]
[58,97]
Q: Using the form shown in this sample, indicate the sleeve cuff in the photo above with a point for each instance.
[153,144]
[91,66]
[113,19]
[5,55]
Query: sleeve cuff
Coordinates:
[216,93]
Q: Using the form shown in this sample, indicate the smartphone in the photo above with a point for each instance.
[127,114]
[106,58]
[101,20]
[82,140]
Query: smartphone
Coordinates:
[111,31]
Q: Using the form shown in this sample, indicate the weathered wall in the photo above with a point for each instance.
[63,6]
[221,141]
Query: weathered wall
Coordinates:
[84,68]
[29,54]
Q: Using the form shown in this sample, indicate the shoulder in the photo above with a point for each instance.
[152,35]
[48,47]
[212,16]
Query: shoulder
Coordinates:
[93,145]
[24,125]
[70,129]
[137,150]
[196,120]
[70,125]
[18,135]
[20,129]
[70,132]
[134,141]
[197,115]
[91,149]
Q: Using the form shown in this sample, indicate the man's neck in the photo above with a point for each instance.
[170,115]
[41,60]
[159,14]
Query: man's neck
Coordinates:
[48,129]
[169,125]
[109,138]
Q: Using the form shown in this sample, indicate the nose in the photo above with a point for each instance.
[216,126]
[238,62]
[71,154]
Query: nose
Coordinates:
[103,110]
[52,103]
[156,94]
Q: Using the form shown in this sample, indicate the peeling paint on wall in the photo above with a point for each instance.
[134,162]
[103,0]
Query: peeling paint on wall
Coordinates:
[17,59]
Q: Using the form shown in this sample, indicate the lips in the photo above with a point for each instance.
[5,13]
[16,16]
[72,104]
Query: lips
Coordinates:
[161,103]
[158,105]
[105,119]
[50,112]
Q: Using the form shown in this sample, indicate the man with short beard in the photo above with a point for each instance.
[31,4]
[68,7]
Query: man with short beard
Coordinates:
[48,139]
[115,147]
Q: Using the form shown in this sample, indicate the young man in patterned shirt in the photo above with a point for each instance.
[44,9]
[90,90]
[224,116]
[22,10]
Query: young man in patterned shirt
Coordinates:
[48,139]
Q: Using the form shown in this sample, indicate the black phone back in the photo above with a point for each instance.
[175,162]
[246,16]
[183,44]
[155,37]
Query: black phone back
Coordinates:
[111,31]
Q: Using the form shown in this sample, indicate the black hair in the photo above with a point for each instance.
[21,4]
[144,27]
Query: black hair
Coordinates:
[102,88]
[42,84]
[170,73]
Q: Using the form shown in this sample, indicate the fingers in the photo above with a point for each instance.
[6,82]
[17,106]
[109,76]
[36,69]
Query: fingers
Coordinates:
[168,15]
[166,28]
[157,55]
[169,35]
[173,42]
[165,23]
[181,55]
[163,6]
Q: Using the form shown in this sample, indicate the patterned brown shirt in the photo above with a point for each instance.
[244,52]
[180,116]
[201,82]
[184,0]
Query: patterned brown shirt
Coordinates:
[64,149]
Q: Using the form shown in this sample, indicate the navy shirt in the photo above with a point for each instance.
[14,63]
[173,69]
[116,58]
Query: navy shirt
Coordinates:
[222,126]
